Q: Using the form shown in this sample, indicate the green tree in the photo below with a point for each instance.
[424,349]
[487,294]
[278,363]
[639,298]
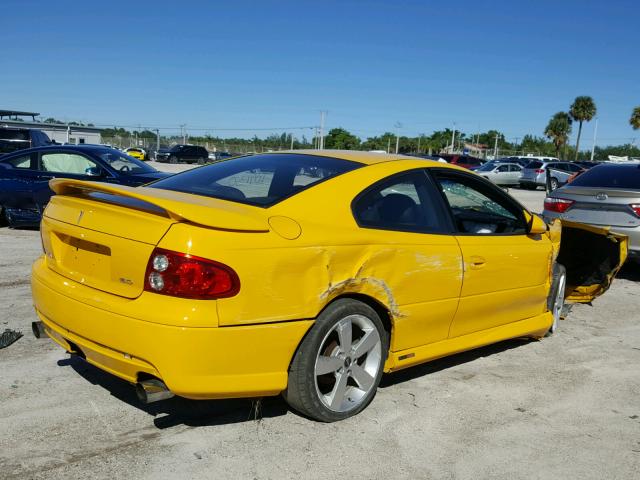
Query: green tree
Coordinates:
[558,130]
[341,139]
[635,118]
[583,109]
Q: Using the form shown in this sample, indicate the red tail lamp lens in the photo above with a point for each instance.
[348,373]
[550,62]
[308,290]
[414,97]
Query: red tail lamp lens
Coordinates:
[182,275]
[540,170]
[559,205]
[636,208]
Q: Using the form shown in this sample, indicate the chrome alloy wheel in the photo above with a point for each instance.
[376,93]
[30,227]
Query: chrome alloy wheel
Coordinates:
[348,363]
[558,302]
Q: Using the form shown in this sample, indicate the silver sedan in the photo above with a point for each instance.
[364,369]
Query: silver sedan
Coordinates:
[606,195]
[501,173]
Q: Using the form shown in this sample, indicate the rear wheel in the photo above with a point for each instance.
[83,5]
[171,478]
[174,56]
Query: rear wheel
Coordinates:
[200,161]
[337,369]
[173,159]
[554,183]
[555,301]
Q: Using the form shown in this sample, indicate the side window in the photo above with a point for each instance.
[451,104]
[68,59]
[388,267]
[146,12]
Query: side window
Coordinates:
[23,162]
[478,208]
[503,168]
[66,163]
[402,202]
[515,168]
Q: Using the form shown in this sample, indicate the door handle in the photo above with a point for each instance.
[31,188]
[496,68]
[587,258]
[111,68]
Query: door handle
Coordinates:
[476,262]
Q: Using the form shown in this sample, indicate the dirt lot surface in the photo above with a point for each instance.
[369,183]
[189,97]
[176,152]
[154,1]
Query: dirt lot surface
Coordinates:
[567,407]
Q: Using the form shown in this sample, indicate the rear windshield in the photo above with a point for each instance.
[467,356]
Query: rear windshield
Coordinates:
[610,176]
[534,164]
[261,180]
[14,134]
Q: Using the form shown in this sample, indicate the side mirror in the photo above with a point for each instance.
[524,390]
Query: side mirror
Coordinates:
[93,172]
[535,224]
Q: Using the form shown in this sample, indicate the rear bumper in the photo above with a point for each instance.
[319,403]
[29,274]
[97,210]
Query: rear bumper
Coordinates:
[199,363]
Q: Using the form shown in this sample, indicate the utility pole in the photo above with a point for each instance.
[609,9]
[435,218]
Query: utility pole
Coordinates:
[292,141]
[389,145]
[419,138]
[595,133]
[157,139]
[495,147]
[322,115]
[182,132]
[398,126]
[453,137]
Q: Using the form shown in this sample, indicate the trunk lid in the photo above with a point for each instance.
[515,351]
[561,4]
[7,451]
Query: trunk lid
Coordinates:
[613,211]
[102,235]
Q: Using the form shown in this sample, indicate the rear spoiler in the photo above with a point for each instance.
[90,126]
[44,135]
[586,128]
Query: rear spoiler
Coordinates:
[182,207]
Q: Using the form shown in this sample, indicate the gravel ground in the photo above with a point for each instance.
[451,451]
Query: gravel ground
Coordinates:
[565,407]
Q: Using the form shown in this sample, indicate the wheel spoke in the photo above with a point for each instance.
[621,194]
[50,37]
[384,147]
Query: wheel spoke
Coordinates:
[344,333]
[326,364]
[336,397]
[360,375]
[366,343]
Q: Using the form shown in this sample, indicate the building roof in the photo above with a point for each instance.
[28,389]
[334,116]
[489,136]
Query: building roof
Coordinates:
[15,113]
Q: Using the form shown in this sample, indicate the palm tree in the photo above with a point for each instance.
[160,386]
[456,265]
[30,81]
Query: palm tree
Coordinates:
[558,130]
[635,118]
[582,110]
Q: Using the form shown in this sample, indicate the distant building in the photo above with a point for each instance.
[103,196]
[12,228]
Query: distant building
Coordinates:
[60,133]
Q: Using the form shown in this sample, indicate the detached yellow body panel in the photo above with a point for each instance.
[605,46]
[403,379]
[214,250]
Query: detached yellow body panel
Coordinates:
[442,293]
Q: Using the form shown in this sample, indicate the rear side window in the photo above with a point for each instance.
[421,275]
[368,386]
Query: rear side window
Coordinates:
[610,176]
[19,162]
[403,202]
[261,180]
[534,164]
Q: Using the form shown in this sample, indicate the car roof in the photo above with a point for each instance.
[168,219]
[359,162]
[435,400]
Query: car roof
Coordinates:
[76,148]
[366,158]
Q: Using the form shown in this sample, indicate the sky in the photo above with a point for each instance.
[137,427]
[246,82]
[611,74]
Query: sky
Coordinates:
[253,67]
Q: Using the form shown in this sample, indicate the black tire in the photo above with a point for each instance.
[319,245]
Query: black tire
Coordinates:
[173,159]
[200,161]
[554,184]
[303,391]
[558,281]
[3,217]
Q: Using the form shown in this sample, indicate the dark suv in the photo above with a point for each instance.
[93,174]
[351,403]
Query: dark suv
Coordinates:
[183,153]
[12,139]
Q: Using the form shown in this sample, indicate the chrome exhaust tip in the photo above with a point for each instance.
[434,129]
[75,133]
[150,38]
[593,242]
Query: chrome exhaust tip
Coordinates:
[152,390]
[38,330]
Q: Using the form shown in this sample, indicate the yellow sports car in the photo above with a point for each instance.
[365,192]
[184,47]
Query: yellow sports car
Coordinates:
[306,273]
[136,152]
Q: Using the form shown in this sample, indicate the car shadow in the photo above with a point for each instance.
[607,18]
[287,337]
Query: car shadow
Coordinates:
[177,410]
[630,271]
[199,413]
[434,366]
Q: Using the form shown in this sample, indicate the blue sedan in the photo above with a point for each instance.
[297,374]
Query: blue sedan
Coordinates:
[25,175]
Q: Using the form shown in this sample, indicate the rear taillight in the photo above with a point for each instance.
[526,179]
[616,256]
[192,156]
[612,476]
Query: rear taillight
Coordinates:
[540,170]
[559,205]
[636,208]
[182,275]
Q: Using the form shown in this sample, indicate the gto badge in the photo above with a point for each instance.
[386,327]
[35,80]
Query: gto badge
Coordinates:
[126,281]
[602,196]
[80,217]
